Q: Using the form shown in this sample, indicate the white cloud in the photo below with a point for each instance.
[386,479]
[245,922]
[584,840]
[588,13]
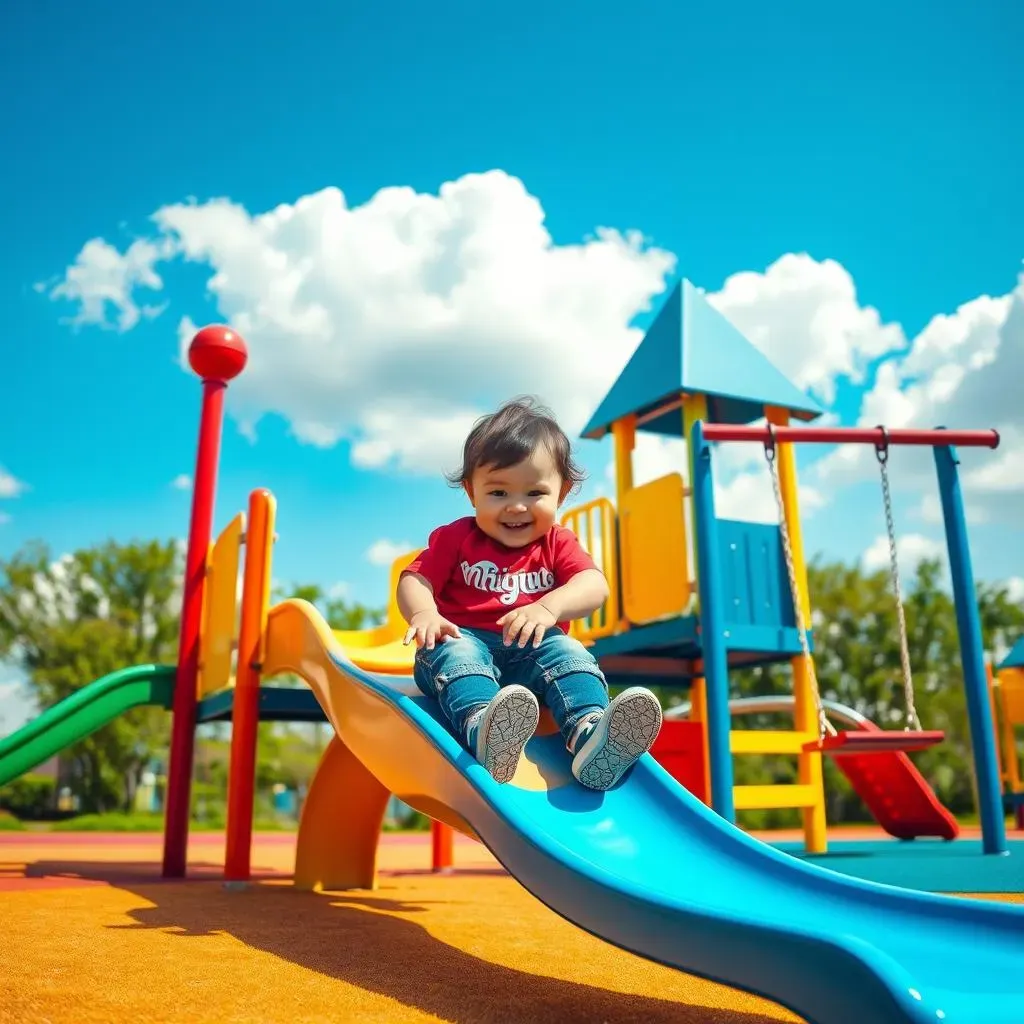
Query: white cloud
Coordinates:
[962,371]
[394,324]
[804,315]
[384,552]
[182,482]
[11,486]
[1015,589]
[103,281]
[911,550]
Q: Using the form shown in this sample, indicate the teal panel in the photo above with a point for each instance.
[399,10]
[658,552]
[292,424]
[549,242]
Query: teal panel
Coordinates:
[755,581]
[653,373]
[719,360]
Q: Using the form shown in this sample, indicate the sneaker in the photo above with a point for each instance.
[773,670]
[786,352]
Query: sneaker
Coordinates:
[503,729]
[628,728]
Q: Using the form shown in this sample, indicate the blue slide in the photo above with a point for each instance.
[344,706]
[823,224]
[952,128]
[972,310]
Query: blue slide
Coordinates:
[651,869]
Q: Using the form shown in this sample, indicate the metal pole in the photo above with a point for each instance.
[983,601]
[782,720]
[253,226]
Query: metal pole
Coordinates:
[979,709]
[713,632]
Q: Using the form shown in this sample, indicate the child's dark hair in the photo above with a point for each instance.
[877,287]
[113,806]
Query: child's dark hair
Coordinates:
[513,433]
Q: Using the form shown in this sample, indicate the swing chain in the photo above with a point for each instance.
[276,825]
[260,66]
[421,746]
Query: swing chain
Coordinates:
[910,714]
[824,725]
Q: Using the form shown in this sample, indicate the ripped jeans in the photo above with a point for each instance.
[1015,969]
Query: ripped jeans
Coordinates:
[463,673]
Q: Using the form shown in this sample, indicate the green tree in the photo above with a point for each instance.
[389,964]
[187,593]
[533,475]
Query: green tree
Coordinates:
[67,621]
[338,612]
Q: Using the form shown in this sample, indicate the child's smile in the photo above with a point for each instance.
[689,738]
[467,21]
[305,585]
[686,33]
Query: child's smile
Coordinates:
[517,504]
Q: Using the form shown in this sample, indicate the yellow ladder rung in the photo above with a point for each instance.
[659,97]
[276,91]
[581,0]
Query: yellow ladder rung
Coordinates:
[768,741]
[758,798]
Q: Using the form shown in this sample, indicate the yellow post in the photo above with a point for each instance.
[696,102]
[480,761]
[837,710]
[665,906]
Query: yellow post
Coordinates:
[624,437]
[809,765]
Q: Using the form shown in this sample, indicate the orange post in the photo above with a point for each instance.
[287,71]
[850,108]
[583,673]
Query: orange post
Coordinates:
[442,846]
[245,714]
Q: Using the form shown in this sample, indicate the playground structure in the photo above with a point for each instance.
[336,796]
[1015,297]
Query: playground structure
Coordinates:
[691,597]
[668,621]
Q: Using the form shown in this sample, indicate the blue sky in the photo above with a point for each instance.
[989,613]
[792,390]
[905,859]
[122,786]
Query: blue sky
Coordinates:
[879,136]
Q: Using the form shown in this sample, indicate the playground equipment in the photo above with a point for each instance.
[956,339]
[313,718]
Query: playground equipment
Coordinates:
[1008,700]
[692,594]
[676,619]
[832,948]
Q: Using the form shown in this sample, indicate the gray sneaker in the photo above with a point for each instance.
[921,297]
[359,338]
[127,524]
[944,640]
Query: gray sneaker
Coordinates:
[507,723]
[626,730]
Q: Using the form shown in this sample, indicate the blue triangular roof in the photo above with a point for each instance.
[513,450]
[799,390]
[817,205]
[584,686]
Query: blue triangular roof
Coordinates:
[1015,659]
[691,347]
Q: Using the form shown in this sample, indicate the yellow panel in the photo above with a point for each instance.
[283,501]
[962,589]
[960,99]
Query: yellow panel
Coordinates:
[392,658]
[1011,695]
[768,741]
[220,604]
[758,798]
[594,525]
[652,535]
[1010,698]
[394,620]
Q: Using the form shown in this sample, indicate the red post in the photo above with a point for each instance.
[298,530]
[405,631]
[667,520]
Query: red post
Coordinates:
[216,354]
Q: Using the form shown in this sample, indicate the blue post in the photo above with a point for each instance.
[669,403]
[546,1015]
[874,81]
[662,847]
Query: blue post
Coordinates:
[979,710]
[713,632]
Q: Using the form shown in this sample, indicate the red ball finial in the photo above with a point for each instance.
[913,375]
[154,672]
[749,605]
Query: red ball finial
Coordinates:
[217,353]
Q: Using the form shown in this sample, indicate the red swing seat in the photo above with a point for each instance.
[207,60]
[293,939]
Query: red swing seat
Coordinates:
[873,740]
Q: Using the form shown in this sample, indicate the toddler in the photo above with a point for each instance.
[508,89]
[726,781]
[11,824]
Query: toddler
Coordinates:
[491,597]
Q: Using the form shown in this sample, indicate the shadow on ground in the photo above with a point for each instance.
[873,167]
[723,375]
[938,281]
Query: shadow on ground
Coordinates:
[356,938]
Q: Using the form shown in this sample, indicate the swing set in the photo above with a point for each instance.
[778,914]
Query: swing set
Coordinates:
[853,742]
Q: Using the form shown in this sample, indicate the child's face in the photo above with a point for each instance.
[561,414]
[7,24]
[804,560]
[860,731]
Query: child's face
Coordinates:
[517,504]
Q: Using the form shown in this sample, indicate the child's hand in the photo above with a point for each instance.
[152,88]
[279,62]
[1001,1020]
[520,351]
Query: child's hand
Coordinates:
[532,620]
[428,628]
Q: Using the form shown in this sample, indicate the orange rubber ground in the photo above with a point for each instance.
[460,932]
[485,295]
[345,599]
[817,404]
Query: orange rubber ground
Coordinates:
[89,933]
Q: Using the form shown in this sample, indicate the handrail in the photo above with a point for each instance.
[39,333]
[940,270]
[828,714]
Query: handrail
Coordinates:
[781,702]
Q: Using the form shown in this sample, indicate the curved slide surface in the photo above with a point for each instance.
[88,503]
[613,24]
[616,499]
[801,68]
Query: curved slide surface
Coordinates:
[649,868]
[81,714]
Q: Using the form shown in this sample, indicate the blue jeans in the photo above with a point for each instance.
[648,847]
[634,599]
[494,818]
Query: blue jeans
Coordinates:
[464,673]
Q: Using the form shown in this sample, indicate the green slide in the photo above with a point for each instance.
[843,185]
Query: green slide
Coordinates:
[83,713]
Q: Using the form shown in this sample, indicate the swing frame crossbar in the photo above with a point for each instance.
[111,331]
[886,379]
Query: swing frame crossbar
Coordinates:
[878,436]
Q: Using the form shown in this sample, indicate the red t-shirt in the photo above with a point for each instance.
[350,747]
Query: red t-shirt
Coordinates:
[476,579]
